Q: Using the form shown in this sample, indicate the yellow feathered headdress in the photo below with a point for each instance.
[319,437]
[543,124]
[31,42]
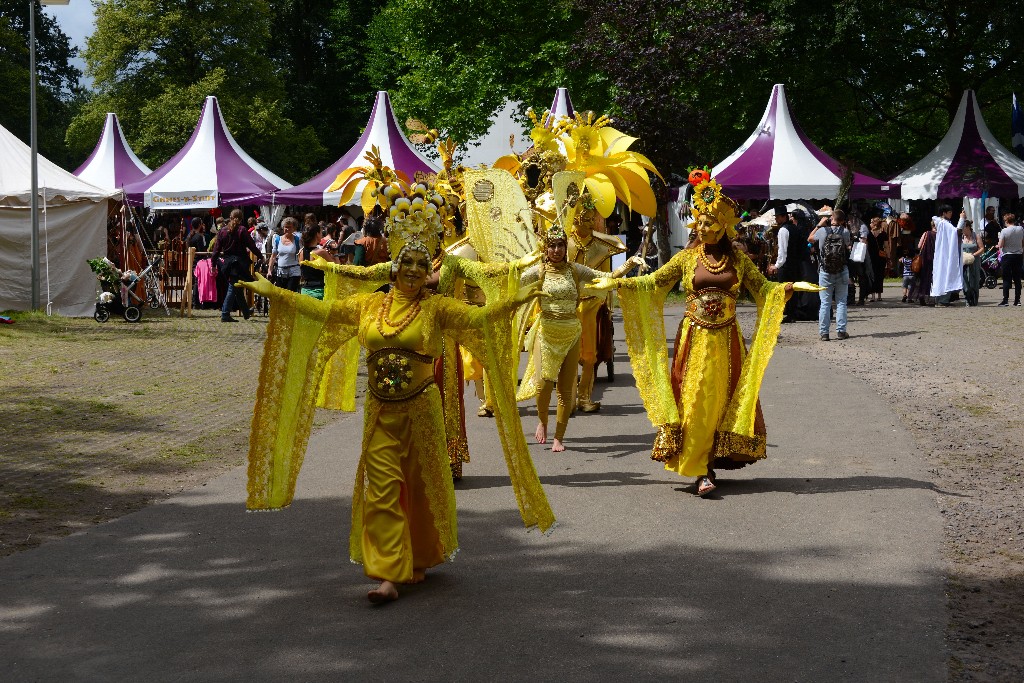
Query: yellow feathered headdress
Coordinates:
[589,144]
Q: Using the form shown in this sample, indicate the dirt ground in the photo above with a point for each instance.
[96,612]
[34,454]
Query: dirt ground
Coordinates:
[99,420]
[954,376]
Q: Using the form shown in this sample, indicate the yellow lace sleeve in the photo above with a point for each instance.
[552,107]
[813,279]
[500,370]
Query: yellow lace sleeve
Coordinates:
[302,333]
[342,281]
[487,332]
[666,276]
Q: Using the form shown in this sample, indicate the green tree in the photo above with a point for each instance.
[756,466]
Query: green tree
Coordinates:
[154,61]
[454,71]
[879,82]
[57,78]
[319,44]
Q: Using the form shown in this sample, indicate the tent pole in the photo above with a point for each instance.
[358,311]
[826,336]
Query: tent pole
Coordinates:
[34,144]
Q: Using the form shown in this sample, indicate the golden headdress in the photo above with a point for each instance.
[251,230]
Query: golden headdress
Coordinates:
[709,200]
[587,143]
[415,211]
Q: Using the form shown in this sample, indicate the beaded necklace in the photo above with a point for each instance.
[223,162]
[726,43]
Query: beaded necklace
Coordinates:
[384,318]
[713,269]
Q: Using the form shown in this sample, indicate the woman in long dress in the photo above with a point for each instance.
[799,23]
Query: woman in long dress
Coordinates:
[705,404]
[403,505]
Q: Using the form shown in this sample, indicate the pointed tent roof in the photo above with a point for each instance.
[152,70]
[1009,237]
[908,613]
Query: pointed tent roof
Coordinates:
[395,149]
[112,163]
[778,161]
[968,162]
[562,104]
[55,183]
[211,169]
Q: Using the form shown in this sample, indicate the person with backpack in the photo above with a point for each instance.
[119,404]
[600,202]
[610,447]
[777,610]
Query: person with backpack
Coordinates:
[833,242]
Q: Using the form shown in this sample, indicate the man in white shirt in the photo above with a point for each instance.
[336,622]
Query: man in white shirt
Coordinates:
[1011,243]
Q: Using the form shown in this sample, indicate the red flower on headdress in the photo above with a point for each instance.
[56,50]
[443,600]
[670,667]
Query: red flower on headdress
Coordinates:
[698,176]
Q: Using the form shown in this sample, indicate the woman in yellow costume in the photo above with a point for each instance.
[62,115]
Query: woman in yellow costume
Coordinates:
[403,506]
[554,340]
[705,405]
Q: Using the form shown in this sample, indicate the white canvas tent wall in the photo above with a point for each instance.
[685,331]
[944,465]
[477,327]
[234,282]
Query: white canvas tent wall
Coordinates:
[72,228]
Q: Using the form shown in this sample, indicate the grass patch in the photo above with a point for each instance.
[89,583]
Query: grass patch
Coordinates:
[33,502]
[977,410]
[189,454]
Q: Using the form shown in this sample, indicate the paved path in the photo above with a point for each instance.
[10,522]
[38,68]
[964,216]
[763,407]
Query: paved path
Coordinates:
[821,563]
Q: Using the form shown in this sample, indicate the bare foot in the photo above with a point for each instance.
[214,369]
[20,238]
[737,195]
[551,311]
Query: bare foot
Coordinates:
[556,446]
[541,435]
[419,575]
[386,592]
[705,486]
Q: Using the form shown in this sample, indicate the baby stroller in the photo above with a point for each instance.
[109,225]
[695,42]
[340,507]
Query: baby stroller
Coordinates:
[113,282]
[990,267]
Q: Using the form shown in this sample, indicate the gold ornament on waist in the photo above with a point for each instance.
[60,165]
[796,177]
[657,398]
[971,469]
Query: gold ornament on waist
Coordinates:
[711,308]
[395,374]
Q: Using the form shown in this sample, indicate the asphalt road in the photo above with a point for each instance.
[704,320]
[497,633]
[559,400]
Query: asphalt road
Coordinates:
[819,564]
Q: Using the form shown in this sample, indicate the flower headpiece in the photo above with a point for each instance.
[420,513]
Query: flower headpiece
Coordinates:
[415,211]
[587,143]
[708,200]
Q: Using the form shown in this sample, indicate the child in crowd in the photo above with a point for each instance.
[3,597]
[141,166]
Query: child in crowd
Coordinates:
[908,273]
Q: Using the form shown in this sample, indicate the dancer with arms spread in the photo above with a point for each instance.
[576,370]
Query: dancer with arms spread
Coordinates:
[705,404]
[403,506]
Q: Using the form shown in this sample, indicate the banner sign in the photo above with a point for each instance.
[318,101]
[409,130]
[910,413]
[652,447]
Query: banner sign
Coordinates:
[181,200]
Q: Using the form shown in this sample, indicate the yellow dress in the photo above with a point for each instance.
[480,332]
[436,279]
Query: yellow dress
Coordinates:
[557,328]
[403,505]
[705,403]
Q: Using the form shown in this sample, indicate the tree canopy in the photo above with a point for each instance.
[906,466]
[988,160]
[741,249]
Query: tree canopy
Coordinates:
[58,86]
[154,62]
[874,83]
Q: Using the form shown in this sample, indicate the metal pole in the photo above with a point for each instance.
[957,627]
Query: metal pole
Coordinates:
[34,144]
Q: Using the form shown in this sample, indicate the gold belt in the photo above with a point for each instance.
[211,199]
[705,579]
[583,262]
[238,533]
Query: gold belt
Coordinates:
[398,374]
[557,315]
[711,308]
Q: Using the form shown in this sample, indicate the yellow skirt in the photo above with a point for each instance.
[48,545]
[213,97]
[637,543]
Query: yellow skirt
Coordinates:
[703,392]
[403,506]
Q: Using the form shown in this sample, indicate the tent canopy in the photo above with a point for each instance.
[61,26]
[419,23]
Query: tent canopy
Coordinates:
[56,186]
[382,131]
[561,106]
[72,228]
[112,163]
[778,161]
[968,162]
[211,169]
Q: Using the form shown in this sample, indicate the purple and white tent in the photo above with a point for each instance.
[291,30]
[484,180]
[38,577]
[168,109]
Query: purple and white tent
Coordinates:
[778,161]
[968,162]
[561,106]
[210,170]
[395,150]
[112,164]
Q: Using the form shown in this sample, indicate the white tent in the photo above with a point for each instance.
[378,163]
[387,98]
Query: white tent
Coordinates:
[72,228]
[112,163]
[210,170]
[495,142]
[968,162]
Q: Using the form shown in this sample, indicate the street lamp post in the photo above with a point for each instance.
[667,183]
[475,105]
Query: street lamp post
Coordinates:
[34,142]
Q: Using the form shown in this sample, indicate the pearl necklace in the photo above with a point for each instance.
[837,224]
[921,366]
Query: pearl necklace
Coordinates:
[384,318]
[713,269]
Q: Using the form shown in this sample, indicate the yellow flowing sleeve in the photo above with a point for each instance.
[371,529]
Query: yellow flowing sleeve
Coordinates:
[338,387]
[302,333]
[486,333]
[643,304]
[737,428]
